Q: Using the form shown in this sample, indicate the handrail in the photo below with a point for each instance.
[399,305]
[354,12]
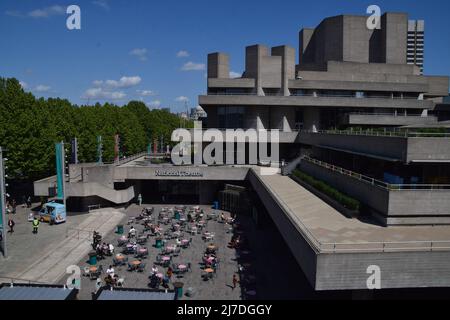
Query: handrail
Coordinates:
[12,279]
[398,115]
[376,182]
[398,134]
[321,95]
[128,159]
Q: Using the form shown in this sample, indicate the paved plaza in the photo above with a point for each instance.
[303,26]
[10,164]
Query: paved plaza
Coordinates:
[219,287]
[43,258]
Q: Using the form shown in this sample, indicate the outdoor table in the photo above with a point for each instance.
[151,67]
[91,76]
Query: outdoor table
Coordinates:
[171,248]
[136,263]
[184,241]
[209,270]
[182,267]
[143,250]
[120,257]
[93,269]
[160,275]
[165,258]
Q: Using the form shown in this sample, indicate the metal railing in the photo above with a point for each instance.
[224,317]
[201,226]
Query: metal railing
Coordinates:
[353,96]
[8,280]
[386,133]
[79,233]
[376,182]
[231,94]
[387,246]
[128,159]
[397,115]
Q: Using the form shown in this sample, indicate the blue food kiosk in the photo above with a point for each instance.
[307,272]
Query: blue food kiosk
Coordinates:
[53,213]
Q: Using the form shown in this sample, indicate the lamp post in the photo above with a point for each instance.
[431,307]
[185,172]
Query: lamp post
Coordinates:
[3,205]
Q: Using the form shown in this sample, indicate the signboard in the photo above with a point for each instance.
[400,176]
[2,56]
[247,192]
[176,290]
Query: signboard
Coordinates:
[178,173]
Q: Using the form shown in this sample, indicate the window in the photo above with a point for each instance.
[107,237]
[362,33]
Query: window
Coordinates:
[231,117]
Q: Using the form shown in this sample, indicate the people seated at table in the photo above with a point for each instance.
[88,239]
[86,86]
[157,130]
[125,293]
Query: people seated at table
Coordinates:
[154,269]
[110,249]
[178,242]
[235,242]
[109,281]
[132,232]
[110,271]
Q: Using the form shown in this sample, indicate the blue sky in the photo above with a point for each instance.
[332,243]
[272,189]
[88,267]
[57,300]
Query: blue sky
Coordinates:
[155,51]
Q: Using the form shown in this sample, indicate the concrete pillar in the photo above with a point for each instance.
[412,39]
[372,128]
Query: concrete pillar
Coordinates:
[218,65]
[253,62]
[287,55]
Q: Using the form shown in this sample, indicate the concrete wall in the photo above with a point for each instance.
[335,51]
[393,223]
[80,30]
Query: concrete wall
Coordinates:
[390,204]
[388,147]
[394,30]
[428,149]
[315,101]
[218,65]
[208,173]
[372,196]
[398,270]
[387,120]
[356,37]
[298,244]
[419,203]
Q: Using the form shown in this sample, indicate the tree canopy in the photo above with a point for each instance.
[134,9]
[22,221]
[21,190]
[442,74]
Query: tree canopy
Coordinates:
[30,127]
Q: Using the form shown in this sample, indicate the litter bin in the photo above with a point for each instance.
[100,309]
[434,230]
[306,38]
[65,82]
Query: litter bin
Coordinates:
[177,215]
[158,243]
[178,286]
[92,258]
[120,229]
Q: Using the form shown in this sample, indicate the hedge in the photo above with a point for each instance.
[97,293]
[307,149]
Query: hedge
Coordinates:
[346,201]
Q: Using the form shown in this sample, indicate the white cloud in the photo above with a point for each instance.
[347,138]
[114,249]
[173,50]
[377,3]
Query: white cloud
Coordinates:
[235,74]
[182,54]
[182,99]
[124,82]
[102,3]
[47,12]
[145,93]
[102,94]
[24,85]
[14,13]
[192,66]
[141,54]
[154,104]
[42,88]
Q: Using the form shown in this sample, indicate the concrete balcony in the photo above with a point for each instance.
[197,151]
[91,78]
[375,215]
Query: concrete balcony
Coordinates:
[386,146]
[387,120]
[393,204]
[332,101]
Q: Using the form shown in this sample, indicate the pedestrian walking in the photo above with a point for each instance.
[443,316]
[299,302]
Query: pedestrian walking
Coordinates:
[35,225]
[235,281]
[14,206]
[11,225]
[29,202]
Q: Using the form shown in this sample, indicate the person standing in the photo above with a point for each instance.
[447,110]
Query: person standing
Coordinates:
[11,225]
[140,199]
[235,281]
[29,202]
[35,225]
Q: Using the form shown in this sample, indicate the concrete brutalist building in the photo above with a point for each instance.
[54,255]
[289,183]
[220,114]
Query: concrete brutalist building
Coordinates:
[353,102]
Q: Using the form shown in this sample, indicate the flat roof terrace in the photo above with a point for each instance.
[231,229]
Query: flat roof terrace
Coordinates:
[335,251]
